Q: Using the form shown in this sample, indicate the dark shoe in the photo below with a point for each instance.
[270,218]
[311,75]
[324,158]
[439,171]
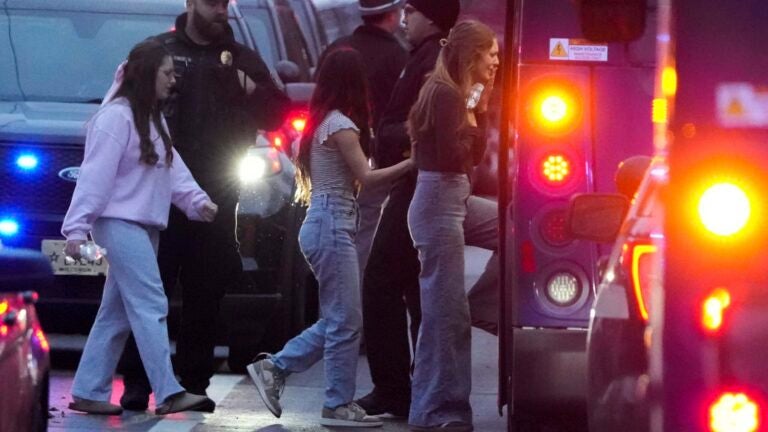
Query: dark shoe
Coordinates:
[94,407]
[182,401]
[454,426]
[208,406]
[375,404]
[134,399]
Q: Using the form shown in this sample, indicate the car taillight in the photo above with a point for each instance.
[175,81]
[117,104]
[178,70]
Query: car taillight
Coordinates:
[734,412]
[298,122]
[724,209]
[712,308]
[636,259]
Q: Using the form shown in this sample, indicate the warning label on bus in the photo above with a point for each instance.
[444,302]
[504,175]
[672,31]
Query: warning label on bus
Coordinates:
[742,104]
[576,50]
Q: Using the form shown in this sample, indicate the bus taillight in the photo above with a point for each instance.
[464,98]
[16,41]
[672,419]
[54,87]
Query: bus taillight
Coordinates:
[556,169]
[724,209]
[734,412]
[554,108]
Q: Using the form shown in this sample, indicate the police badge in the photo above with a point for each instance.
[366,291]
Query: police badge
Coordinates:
[226,58]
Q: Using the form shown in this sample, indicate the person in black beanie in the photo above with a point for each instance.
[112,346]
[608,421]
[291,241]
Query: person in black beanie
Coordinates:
[391,278]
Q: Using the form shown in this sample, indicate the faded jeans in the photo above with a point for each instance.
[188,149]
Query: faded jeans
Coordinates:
[327,240]
[442,379]
[133,301]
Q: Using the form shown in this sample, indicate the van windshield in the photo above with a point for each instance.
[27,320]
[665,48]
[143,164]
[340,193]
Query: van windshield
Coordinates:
[61,56]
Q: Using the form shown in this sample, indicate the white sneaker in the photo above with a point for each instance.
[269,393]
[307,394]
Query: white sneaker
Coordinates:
[350,415]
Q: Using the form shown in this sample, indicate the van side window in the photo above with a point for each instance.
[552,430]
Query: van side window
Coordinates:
[295,45]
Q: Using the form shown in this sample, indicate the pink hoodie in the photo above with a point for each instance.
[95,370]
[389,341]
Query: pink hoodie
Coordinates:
[113,183]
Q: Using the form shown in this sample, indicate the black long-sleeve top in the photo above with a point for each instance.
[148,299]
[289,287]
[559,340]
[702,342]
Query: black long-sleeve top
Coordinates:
[452,144]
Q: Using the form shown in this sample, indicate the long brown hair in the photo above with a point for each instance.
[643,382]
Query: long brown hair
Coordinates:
[341,85]
[138,87]
[466,43]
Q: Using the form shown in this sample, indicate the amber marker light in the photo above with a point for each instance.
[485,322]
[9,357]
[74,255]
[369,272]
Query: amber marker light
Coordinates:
[669,81]
[734,412]
[712,309]
[724,209]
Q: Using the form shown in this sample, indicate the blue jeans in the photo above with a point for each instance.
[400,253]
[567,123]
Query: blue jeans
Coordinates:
[327,240]
[133,301]
[442,376]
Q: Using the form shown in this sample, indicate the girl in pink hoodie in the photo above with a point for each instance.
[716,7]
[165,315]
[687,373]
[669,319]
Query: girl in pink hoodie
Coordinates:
[128,179]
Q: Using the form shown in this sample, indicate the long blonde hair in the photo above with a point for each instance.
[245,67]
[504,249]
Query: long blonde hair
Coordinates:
[465,44]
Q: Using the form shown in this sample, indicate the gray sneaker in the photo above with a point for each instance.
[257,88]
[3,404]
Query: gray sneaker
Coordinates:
[269,381]
[350,415]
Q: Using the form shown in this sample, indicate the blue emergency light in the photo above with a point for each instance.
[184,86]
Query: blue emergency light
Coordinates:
[8,227]
[27,161]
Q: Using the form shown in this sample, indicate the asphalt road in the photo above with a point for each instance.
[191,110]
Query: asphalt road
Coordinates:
[240,409]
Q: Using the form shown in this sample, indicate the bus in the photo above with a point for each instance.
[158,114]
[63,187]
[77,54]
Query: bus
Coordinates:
[578,91]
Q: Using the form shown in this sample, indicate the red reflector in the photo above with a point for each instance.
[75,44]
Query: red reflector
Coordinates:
[552,228]
[527,257]
[734,412]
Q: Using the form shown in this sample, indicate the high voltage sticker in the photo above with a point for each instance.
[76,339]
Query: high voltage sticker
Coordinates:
[576,50]
[742,104]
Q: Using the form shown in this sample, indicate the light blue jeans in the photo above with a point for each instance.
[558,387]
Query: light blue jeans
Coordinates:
[442,376]
[133,301]
[327,240]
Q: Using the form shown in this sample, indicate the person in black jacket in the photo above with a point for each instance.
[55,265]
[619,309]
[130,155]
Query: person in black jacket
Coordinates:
[391,278]
[384,58]
[224,93]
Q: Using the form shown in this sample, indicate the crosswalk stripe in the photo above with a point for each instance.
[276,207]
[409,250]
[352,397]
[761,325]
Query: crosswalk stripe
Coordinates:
[221,386]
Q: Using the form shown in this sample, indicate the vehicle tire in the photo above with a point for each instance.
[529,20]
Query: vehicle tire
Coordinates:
[40,408]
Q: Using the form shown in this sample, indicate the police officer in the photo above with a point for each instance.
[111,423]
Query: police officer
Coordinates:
[224,93]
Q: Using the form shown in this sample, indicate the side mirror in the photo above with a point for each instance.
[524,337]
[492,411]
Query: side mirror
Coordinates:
[596,217]
[288,71]
[612,20]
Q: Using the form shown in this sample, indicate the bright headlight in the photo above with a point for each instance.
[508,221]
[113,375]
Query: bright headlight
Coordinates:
[252,168]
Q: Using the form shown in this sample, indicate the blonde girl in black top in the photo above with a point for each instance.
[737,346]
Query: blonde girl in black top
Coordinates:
[449,140]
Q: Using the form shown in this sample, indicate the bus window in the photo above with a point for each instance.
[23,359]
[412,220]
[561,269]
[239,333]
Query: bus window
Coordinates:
[612,20]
